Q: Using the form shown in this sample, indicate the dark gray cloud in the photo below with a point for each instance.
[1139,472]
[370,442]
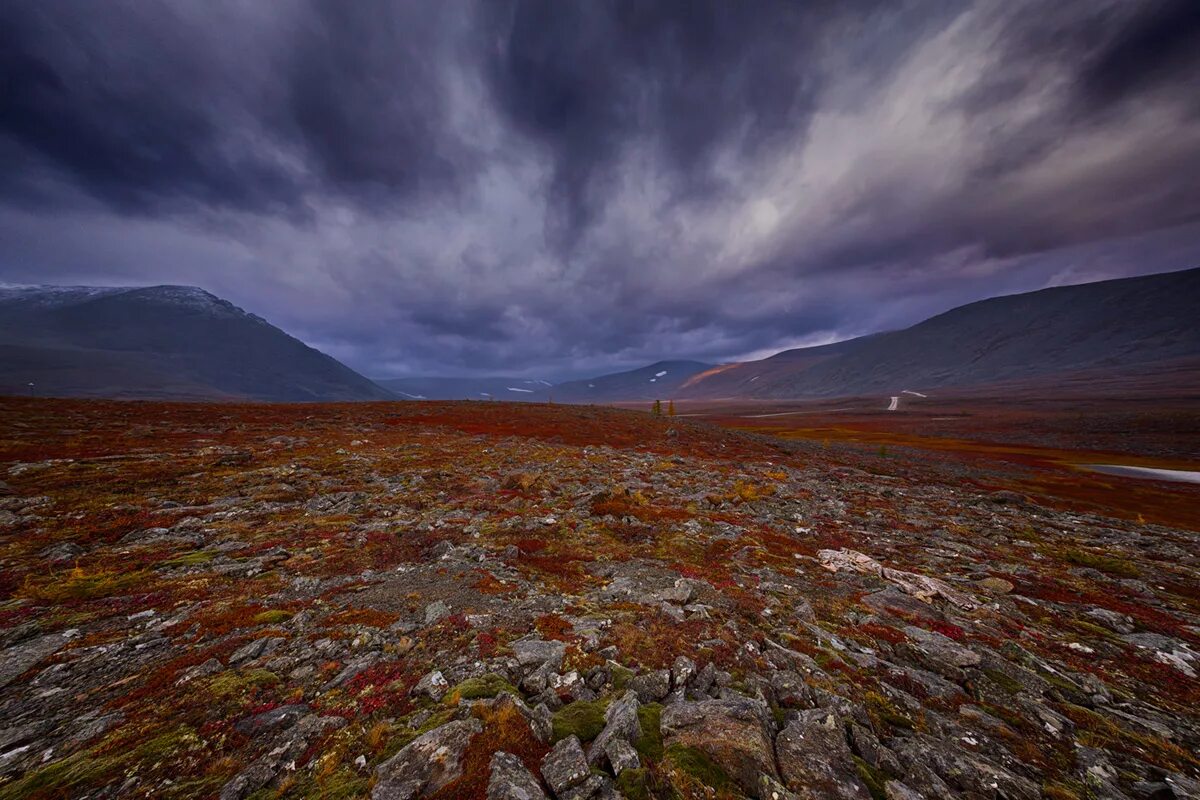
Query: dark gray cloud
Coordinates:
[556,188]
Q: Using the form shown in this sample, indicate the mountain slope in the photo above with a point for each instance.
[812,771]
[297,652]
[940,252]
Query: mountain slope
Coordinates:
[657,381]
[1127,326]
[744,378]
[160,342]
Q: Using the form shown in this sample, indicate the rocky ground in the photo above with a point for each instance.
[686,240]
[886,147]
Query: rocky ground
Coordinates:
[482,600]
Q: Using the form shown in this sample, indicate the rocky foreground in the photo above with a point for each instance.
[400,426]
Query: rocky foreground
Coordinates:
[466,600]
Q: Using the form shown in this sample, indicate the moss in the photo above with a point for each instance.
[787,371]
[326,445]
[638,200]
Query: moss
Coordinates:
[1113,566]
[204,786]
[488,685]
[1060,791]
[884,710]
[58,778]
[192,559]
[1010,685]
[827,659]
[1096,730]
[584,718]
[632,784]
[1098,631]
[874,779]
[777,713]
[403,734]
[621,677]
[343,784]
[231,683]
[272,617]
[78,584]
[696,765]
[1068,689]
[165,745]
[1009,715]
[650,744]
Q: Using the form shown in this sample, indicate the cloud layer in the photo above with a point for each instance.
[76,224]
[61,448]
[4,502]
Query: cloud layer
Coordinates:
[561,188]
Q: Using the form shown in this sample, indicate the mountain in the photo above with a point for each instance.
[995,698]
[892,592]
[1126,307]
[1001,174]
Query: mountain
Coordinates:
[485,388]
[661,380]
[1127,328]
[158,342]
[744,378]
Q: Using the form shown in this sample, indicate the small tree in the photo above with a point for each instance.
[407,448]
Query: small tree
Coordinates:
[656,410]
[670,408]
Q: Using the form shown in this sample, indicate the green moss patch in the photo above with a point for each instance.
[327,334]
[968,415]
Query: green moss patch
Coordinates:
[1113,566]
[874,779]
[583,718]
[59,778]
[232,683]
[698,767]
[488,685]
[1010,685]
[621,677]
[650,745]
[272,617]
[632,784]
[192,559]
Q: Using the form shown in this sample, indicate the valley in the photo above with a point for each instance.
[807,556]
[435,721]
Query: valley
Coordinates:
[245,600]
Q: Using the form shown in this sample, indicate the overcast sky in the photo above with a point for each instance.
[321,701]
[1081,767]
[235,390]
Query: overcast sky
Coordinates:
[574,186]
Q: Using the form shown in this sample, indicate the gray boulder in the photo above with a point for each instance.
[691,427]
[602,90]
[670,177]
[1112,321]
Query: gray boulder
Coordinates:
[534,653]
[433,685]
[510,780]
[651,686]
[564,766]
[425,764]
[284,749]
[815,760]
[14,661]
[621,756]
[735,734]
[621,723]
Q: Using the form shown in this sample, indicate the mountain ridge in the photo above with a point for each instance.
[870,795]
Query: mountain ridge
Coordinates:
[163,341]
[1120,324]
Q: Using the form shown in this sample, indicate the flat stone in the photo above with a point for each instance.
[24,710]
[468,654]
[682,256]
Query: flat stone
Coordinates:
[536,652]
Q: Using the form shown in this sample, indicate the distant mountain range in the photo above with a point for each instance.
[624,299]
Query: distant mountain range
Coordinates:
[660,380]
[158,342]
[1112,332]
[182,342]
[486,388]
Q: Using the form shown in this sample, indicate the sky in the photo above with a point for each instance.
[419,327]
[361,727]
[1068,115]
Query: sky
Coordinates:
[568,187]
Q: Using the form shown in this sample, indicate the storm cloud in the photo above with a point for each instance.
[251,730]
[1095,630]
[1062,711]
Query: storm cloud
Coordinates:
[559,188]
